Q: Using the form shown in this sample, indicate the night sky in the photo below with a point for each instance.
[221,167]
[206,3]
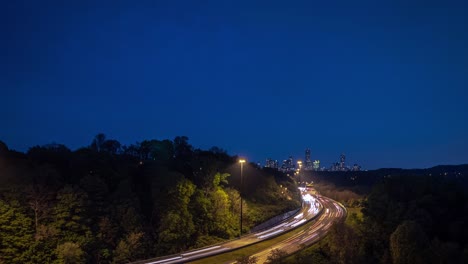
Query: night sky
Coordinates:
[386,83]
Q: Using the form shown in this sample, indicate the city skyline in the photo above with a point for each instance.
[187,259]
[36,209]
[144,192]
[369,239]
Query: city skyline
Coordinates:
[307,162]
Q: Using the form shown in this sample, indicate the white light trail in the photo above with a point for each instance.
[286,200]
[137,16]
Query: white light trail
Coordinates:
[298,223]
[199,251]
[164,260]
[272,233]
[299,216]
[271,229]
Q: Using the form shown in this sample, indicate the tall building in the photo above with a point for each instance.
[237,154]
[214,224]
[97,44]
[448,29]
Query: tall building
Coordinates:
[342,162]
[271,164]
[317,165]
[288,165]
[356,167]
[308,162]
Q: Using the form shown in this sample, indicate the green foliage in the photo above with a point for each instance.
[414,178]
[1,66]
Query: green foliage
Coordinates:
[129,248]
[16,232]
[70,216]
[409,244]
[344,244]
[41,251]
[69,253]
[277,256]
[177,226]
[404,219]
[220,178]
[111,203]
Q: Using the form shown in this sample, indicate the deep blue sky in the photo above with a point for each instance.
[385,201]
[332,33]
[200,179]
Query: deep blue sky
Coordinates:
[384,82]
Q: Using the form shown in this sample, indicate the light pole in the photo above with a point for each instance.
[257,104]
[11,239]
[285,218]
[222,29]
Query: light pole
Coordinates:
[241,161]
[299,170]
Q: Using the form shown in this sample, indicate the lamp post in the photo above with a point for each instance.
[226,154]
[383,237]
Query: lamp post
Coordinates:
[241,161]
[299,170]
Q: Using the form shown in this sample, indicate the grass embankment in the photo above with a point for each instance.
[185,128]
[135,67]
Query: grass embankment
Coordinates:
[259,213]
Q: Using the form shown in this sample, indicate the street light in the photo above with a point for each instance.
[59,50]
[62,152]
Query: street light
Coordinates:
[299,170]
[241,161]
[300,163]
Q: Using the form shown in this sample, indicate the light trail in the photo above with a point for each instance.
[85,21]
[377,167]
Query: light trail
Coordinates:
[165,260]
[270,234]
[199,251]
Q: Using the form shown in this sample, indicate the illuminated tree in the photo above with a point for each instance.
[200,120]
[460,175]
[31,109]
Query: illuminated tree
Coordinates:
[16,232]
[177,226]
[69,253]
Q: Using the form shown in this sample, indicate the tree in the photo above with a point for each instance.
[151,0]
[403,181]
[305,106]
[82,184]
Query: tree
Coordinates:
[39,201]
[129,248]
[97,192]
[177,226]
[111,146]
[16,232]
[132,150]
[344,244]
[70,215]
[218,150]
[125,209]
[70,253]
[106,239]
[3,149]
[409,244]
[181,147]
[213,210]
[98,142]
[277,256]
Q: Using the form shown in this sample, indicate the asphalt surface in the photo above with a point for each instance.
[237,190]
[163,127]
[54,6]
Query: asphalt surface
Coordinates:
[333,211]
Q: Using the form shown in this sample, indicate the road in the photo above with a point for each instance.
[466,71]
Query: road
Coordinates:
[333,211]
[311,208]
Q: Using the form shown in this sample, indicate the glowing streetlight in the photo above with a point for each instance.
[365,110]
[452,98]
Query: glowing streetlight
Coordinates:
[299,169]
[299,163]
[241,161]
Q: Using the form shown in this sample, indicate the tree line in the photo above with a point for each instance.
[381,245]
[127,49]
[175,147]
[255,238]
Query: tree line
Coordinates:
[408,216]
[111,203]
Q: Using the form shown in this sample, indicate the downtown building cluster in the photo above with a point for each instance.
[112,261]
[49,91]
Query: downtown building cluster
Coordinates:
[310,165]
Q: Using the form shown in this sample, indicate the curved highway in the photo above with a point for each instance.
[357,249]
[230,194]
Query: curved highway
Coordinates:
[312,207]
[333,211]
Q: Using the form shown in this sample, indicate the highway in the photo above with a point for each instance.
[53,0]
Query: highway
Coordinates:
[333,211]
[312,207]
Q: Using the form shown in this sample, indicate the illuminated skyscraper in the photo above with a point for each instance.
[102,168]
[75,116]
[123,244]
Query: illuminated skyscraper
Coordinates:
[271,164]
[316,165]
[342,162]
[288,165]
[308,162]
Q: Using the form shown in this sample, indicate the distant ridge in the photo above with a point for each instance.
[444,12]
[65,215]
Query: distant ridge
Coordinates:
[461,169]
